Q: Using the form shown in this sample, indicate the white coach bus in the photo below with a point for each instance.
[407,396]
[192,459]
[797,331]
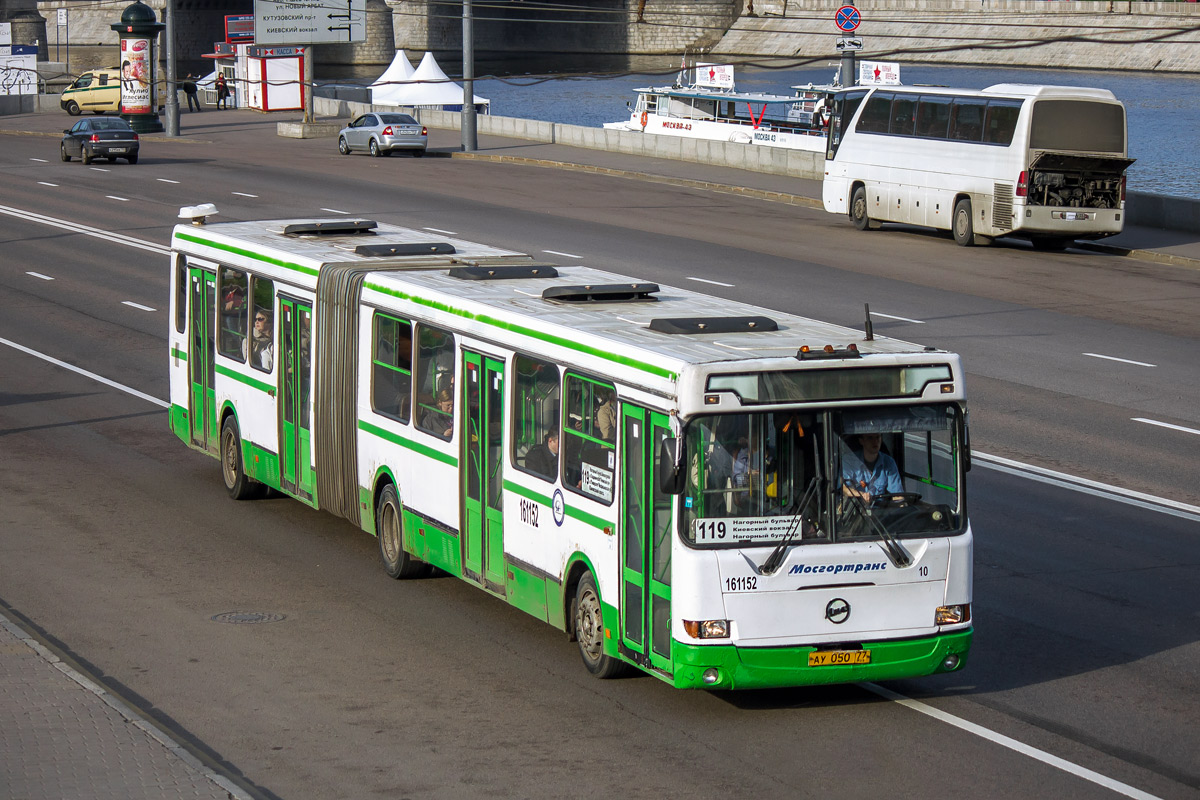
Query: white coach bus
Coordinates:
[1046,163]
[721,495]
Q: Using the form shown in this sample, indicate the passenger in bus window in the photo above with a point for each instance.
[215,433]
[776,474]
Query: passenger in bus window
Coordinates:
[606,414]
[868,472]
[262,347]
[440,421]
[542,459]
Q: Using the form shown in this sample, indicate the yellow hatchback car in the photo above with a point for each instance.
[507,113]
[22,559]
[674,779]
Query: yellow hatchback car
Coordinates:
[97,90]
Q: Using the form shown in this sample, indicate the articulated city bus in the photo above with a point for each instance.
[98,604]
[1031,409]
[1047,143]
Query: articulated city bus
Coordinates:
[718,494]
[1046,163]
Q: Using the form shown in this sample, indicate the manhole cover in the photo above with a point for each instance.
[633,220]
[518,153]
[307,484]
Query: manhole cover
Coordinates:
[247,617]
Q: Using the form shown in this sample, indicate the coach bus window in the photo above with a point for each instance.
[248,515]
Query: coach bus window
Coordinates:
[1078,125]
[1001,121]
[589,459]
[181,293]
[904,114]
[536,410]
[933,116]
[877,114]
[844,106]
[234,314]
[966,123]
[391,367]
[435,381]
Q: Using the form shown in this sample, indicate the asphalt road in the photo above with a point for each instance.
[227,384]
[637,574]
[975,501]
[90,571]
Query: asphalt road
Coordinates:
[121,545]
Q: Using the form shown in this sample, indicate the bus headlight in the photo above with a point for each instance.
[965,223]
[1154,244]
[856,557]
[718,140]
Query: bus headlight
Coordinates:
[707,628]
[952,615]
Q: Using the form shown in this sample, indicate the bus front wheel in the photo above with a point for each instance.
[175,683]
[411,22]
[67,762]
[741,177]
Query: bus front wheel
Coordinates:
[858,210]
[237,483]
[589,630]
[389,529]
[964,228]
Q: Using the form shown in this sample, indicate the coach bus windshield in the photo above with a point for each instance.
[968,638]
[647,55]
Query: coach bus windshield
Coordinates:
[816,477]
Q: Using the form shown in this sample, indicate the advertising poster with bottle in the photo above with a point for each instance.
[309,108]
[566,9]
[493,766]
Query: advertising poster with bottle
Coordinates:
[135,76]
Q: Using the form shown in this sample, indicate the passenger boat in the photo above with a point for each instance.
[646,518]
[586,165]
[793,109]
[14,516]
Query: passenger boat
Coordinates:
[709,107]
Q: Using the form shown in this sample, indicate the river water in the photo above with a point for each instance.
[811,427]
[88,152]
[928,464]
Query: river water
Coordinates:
[1163,110]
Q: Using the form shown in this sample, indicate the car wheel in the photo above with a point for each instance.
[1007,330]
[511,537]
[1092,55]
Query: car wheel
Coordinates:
[132,158]
[343,147]
[62,151]
[85,155]
[374,148]
[73,108]
[964,228]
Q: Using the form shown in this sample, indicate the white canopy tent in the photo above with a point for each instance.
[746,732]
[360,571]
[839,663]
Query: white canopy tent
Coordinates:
[426,87]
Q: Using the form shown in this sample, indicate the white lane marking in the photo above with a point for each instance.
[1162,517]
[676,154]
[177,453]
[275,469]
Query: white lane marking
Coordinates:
[334,211]
[706,280]
[114,197]
[564,255]
[100,169]
[40,275]
[118,238]
[243,194]
[122,387]
[439,230]
[1122,360]
[166,180]
[138,306]
[1085,486]
[1166,425]
[44,161]
[893,316]
[44,183]
[1012,744]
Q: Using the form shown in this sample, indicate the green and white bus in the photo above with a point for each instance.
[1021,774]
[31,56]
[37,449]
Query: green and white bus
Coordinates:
[679,482]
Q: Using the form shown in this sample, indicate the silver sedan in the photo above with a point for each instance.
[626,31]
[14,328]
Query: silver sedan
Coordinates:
[382,133]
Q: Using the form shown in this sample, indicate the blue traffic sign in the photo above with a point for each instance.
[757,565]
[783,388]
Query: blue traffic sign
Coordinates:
[847,18]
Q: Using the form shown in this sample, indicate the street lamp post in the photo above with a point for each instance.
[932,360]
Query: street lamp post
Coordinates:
[470,141]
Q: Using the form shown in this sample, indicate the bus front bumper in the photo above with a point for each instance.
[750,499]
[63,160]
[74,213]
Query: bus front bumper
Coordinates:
[732,667]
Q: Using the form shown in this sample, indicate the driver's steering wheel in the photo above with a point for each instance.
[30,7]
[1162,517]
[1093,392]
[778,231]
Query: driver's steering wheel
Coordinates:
[896,499]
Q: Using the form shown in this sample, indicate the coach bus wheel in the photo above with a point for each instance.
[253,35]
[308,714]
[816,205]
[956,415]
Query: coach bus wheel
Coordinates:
[239,486]
[964,229]
[858,209]
[389,529]
[589,631]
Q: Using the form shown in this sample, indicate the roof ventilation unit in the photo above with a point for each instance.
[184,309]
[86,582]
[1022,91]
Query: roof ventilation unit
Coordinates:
[405,249]
[504,273]
[330,227]
[694,325]
[603,293]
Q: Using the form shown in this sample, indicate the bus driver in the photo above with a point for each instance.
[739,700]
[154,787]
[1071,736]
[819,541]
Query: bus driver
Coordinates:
[870,473]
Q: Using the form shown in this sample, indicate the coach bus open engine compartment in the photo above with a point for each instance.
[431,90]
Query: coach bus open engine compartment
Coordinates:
[1074,181]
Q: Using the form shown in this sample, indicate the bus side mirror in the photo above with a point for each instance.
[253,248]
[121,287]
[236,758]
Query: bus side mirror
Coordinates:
[669,469]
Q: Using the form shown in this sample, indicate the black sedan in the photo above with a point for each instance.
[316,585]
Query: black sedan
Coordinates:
[100,137]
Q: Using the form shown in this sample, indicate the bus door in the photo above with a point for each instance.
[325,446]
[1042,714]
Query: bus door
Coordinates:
[483,456]
[647,528]
[295,378]
[202,409]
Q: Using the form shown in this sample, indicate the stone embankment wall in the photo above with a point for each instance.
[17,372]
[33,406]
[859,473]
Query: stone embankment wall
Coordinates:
[1089,34]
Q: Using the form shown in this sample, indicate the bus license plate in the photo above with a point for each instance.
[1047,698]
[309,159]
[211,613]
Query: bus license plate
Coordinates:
[830,658]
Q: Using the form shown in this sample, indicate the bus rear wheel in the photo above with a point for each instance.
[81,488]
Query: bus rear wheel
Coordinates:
[389,529]
[589,630]
[964,227]
[858,210]
[239,485]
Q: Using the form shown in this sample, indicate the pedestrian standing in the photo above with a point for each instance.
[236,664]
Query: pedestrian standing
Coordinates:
[189,89]
[222,92]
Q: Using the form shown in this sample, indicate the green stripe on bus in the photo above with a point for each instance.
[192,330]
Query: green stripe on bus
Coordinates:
[239,251]
[253,383]
[180,354]
[530,332]
[574,513]
[416,447]
[458,312]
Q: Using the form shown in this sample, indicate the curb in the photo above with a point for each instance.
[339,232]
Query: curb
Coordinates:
[181,751]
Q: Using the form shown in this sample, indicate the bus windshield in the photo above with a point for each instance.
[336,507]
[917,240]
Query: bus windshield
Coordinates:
[810,477]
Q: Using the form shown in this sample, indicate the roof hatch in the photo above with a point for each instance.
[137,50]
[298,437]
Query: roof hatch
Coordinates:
[330,227]
[523,271]
[603,293]
[405,249]
[694,325]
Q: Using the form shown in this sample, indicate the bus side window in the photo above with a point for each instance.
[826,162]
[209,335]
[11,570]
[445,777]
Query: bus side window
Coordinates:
[234,314]
[933,117]
[181,293]
[536,406]
[967,120]
[876,115]
[588,442]
[262,345]
[435,381]
[904,115]
[1001,122]
[391,367]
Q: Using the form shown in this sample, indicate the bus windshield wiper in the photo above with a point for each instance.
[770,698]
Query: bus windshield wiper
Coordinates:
[775,560]
[896,553]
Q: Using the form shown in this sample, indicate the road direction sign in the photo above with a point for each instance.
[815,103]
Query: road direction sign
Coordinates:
[844,43]
[309,21]
[847,19]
